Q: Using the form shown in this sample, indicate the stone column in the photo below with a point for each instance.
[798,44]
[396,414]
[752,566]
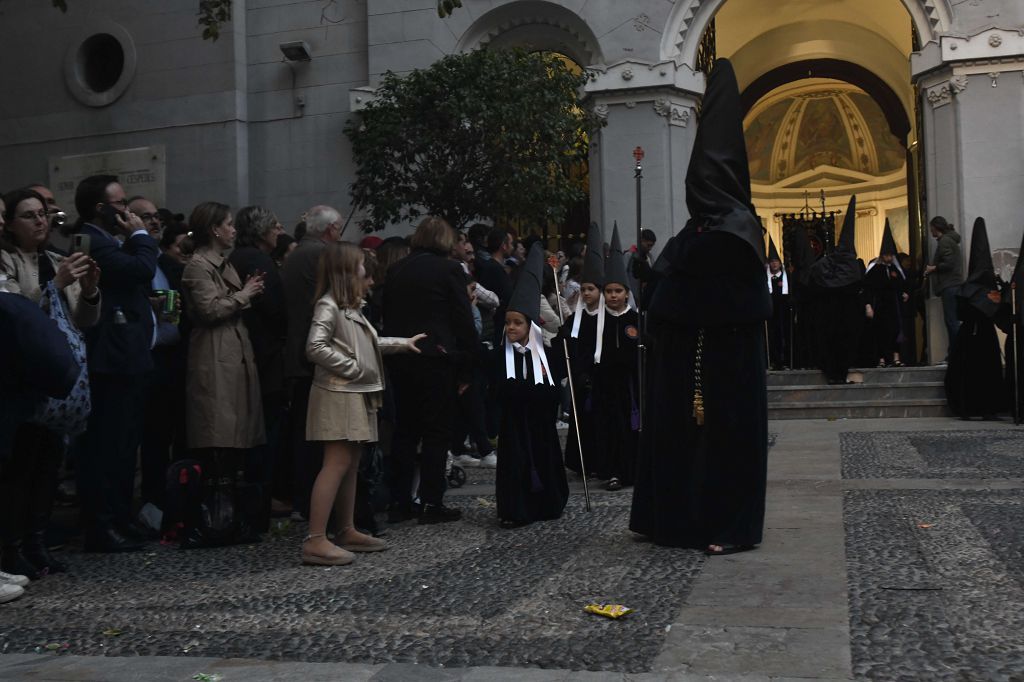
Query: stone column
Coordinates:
[652,106]
[972,98]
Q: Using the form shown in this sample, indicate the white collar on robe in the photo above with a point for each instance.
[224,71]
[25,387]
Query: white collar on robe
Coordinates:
[541,369]
[617,314]
[785,280]
[895,263]
[578,318]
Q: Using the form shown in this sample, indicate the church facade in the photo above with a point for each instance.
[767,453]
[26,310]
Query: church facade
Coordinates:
[917,106]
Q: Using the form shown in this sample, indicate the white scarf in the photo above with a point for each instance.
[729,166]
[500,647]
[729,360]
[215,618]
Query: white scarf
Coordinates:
[541,370]
[785,280]
[578,318]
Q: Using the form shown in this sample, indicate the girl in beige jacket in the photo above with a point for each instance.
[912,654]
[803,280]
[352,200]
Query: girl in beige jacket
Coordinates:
[348,380]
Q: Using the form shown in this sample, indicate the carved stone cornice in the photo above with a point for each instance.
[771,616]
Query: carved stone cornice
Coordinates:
[991,45]
[631,74]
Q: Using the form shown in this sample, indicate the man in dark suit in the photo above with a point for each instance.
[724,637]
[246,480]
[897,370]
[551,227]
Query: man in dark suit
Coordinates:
[298,275]
[426,292]
[119,358]
[491,273]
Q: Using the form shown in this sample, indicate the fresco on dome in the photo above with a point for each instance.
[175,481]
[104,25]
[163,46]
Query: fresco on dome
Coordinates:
[891,154]
[760,136]
[823,139]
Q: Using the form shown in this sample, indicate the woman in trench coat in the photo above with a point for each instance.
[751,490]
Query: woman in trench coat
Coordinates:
[223,409]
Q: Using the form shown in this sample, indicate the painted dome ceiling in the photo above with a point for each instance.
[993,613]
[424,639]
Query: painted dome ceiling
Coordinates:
[829,127]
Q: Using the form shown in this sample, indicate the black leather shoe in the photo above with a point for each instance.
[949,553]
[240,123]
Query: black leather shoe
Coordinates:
[35,550]
[109,540]
[438,513]
[136,532]
[16,563]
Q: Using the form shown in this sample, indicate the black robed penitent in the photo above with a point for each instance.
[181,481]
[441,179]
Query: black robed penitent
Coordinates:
[1014,349]
[580,335]
[702,484]
[615,399]
[884,287]
[530,480]
[835,287]
[974,376]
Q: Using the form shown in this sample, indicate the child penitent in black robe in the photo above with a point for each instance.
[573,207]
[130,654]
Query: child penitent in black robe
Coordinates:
[702,465]
[581,333]
[615,390]
[885,291]
[530,479]
[974,376]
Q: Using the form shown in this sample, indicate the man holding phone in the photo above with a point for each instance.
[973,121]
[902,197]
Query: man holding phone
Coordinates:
[119,360]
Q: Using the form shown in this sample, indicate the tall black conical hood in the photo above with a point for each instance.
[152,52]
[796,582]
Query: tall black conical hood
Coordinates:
[773,253]
[525,297]
[888,243]
[840,268]
[714,267]
[593,259]
[615,264]
[848,237]
[718,177]
[981,274]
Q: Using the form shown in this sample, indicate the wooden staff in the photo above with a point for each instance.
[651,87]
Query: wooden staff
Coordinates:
[572,389]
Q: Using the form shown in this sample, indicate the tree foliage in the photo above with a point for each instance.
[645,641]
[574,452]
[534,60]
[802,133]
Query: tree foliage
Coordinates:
[212,15]
[488,134]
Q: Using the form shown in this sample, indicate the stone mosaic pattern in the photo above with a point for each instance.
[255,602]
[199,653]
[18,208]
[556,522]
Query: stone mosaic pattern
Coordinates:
[936,583]
[933,454]
[452,595]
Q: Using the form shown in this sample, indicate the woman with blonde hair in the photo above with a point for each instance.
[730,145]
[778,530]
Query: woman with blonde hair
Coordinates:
[348,380]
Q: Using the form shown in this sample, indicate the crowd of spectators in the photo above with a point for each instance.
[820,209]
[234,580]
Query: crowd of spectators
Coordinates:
[196,397]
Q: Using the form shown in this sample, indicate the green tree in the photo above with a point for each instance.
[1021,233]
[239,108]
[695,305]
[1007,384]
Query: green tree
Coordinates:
[488,134]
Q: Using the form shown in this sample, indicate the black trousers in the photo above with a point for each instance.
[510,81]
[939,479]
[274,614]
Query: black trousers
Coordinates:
[425,403]
[163,436]
[472,421]
[28,481]
[307,457]
[108,449]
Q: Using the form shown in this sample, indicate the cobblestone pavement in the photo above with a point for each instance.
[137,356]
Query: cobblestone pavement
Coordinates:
[934,454]
[452,595]
[936,576]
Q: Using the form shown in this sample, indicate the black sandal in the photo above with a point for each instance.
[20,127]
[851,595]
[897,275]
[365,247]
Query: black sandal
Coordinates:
[613,484]
[729,549]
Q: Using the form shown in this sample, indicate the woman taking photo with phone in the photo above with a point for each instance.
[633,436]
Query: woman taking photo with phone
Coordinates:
[29,479]
[223,417]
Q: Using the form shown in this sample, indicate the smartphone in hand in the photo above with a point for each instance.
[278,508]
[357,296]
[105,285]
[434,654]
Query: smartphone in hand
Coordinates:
[81,243]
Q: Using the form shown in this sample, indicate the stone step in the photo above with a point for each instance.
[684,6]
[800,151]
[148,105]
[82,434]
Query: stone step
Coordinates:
[872,375]
[855,409]
[880,393]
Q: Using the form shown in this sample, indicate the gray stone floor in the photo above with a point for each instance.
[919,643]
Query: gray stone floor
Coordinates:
[892,550]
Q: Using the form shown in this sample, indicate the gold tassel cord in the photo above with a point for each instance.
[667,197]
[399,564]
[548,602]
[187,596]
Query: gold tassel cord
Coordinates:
[698,383]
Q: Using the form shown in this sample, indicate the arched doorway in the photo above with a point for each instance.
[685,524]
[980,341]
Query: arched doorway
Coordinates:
[831,109]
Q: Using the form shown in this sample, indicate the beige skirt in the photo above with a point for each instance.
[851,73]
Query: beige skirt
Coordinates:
[339,415]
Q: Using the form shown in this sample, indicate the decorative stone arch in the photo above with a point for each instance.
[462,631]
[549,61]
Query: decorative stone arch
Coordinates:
[689,18]
[534,24]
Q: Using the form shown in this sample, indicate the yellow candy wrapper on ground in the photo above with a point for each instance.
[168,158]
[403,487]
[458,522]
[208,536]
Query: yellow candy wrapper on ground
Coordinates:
[613,611]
